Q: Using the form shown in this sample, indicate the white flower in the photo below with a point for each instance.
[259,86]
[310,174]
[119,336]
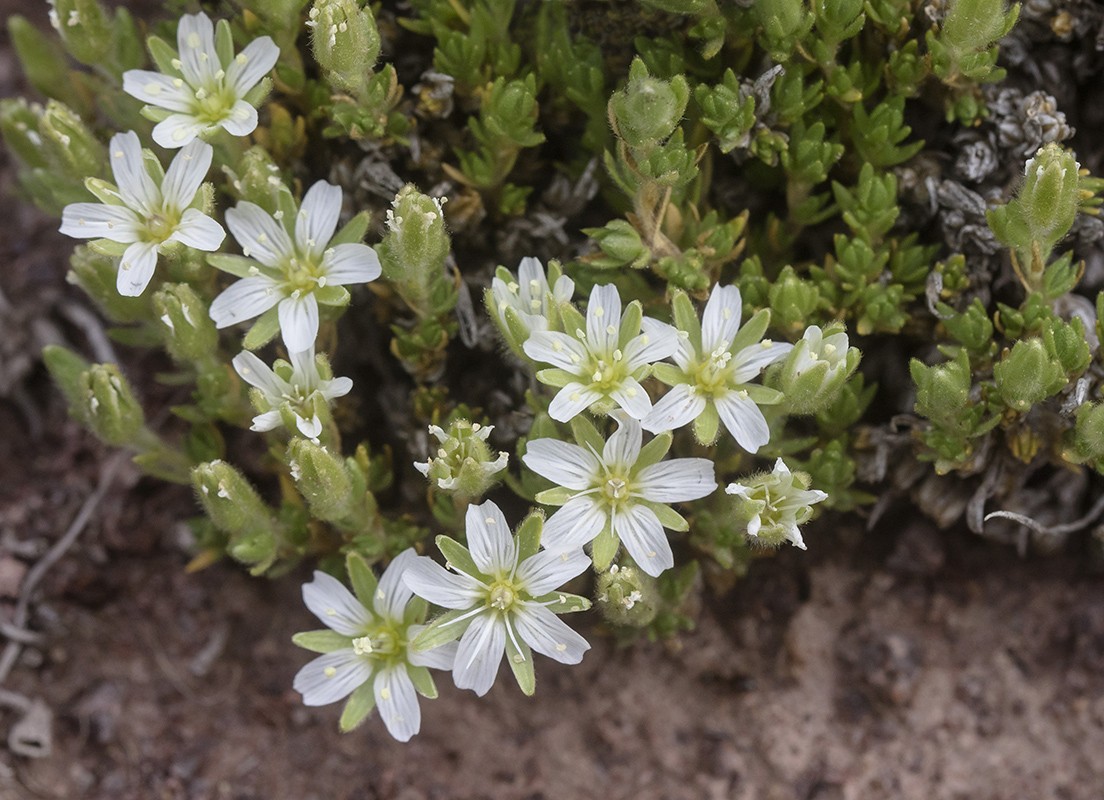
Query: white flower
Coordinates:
[369,640]
[301,388]
[620,495]
[291,274]
[142,214]
[776,503]
[207,85]
[464,463]
[716,360]
[528,295]
[501,595]
[604,364]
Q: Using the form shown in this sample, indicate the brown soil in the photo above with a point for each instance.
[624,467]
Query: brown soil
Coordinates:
[904,663]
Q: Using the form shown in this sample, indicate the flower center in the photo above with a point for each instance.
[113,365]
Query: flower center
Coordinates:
[502,596]
[381,642]
[712,374]
[160,227]
[616,489]
[213,103]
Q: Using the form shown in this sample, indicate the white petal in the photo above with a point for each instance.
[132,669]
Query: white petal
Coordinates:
[548,634]
[195,41]
[603,313]
[558,349]
[268,421]
[349,264]
[317,218]
[656,342]
[751,360]
[177,130]
[136,187]
[547,571]
[744,420]
[480,653]
[397,703]
[564,289]
[99,221]
[198,230]
[260,236]
[566,464]
[241,120]
[674,409]
[721,318]
[319,689]
[299,321]
[632,398]
[257,373]
[338,387]
[492,547]
[336,606]
[530,269]
[642,535]
[685,356]
[244,300]
[252,64]
[185,174]
[676,481]
[570,401]
[393,594]
[429,580]
[576,523]
[310,428]
[623,447]
[136,268]
[441,657]
[157,90]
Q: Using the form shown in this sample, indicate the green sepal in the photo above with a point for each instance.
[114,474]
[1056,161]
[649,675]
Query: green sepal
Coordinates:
[156,113]
[458,556]
[264,330]
[669,374]
[238,266]
[332,295]
[323,641]
[762,395]
[572,319]
[668,517]
[752,332]
[529,536]
[554,497]
[586,435]
[163,55]
[630,323]
[686,320]
[556,377]
[354,230]
[360,705]
[362,578]
[442,630]
[604,548]
[563,603]
[224,42]
[423,681]
[654,451]
[707,424]
[521,663]
[107,247]
[415,611]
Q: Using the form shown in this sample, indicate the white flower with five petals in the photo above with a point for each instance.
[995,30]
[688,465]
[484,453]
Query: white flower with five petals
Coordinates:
[366,651]
[207,87]
[291,268]
[502,599]
[143,213]
[302,387]
[716,360]
[528,295]
[602,366]
[620,495]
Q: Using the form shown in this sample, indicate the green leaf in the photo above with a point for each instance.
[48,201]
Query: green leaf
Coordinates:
[521,663]
[360,705]
[362,578]
[324,641]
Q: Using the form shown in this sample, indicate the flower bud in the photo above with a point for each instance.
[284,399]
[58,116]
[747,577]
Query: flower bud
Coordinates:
[527,302]
[229,500]
[628,596]
[74,151]
[97,273]
[258,180]
[108,405]
[464,466]
[413,252]
[1050,194]
[85,28]
[345,41]
[816,369]
[648,109]
[189,332]
[1028,375]
[775,503]
[620,244]
[321,478]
